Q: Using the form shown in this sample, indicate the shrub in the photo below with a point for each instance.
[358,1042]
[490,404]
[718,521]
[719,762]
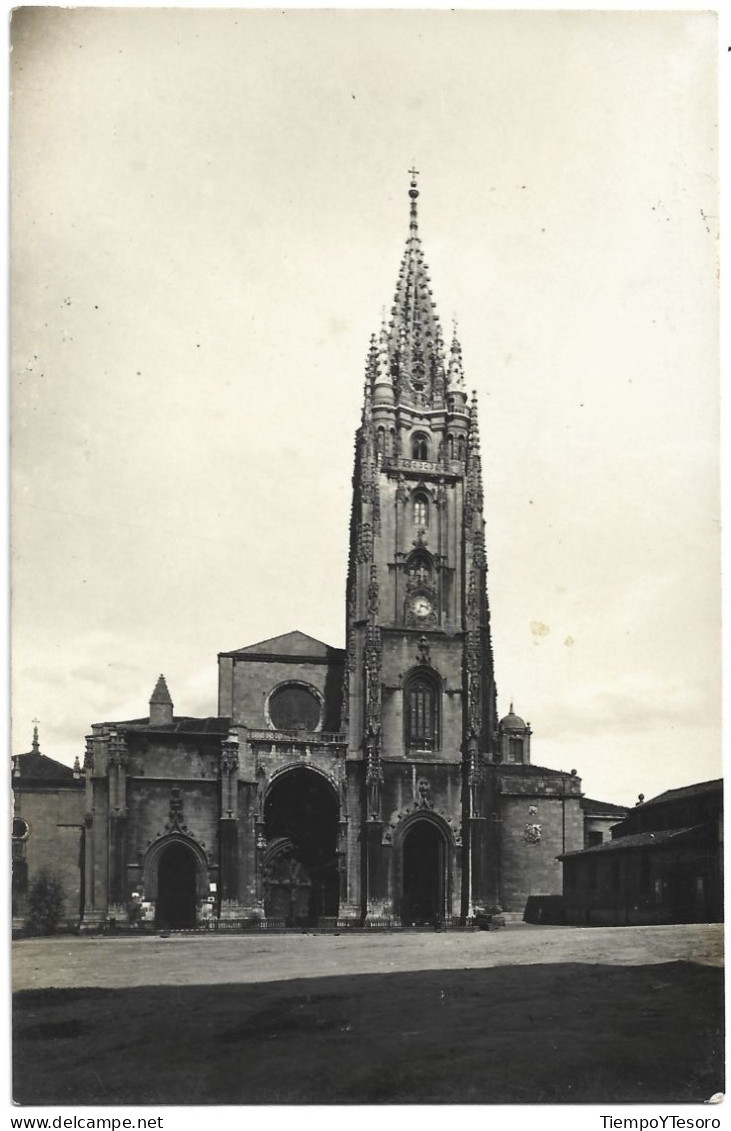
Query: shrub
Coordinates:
[45,904]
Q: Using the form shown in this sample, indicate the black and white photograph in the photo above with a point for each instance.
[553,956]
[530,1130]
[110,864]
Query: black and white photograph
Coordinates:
[365,559]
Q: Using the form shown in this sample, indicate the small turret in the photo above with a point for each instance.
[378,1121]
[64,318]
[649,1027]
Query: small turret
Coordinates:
[514,738]
[161,705]
[456,371]
[383,385]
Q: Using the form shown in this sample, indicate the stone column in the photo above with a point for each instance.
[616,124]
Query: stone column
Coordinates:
[342,864]
[228,829]
[374,895]
[228,871]
[117,771]
[92,917]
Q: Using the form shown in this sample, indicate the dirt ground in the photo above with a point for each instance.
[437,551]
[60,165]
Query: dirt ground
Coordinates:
[525,1015]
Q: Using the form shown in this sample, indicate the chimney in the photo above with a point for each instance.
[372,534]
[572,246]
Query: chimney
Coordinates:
[161,705]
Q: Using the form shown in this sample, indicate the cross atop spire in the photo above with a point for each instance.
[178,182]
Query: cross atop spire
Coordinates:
[414,194]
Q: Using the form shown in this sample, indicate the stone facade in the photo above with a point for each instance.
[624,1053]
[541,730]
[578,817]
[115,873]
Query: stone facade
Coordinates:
[540,817]
[148,788]
[373,783]
[48,830]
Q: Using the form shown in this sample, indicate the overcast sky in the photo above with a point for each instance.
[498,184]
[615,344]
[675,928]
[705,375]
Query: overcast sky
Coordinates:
[209,208]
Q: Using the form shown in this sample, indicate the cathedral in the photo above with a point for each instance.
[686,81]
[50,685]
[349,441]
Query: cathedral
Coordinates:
[370,785]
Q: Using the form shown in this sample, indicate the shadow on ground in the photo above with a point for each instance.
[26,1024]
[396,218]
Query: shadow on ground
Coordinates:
[564,1033]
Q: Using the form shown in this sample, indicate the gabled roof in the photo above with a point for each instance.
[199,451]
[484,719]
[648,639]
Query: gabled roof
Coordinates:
[638,840]
[181,724]
[36,767]
[290,644]
[603,808]
[187,725]
[698,789]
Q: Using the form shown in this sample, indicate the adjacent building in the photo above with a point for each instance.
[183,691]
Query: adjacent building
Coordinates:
[600,817]
[48,829]
[663,864]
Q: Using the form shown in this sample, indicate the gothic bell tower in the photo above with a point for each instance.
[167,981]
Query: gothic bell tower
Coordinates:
[419,699]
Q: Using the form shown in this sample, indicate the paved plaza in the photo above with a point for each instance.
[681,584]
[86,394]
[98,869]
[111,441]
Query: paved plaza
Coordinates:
[67,962]
[523,1015]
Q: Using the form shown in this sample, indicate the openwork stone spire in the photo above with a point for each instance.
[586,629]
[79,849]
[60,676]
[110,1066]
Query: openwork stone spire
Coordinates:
[412,347]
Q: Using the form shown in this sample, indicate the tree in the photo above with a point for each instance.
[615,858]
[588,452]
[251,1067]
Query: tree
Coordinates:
[45,904]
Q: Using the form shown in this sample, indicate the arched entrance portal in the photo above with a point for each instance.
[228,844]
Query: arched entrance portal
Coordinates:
[424,875]
[301,865]
[176,904]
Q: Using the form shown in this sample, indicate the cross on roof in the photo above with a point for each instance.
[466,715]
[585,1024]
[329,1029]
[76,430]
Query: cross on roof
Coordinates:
[414,172]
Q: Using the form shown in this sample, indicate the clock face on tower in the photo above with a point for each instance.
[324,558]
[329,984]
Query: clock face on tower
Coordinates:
[421,607]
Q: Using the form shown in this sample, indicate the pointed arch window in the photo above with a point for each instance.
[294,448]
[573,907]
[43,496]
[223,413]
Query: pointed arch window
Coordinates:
[421,711]
[450,446]
[460,448]
[420,446]
[381,440]
[421,509]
